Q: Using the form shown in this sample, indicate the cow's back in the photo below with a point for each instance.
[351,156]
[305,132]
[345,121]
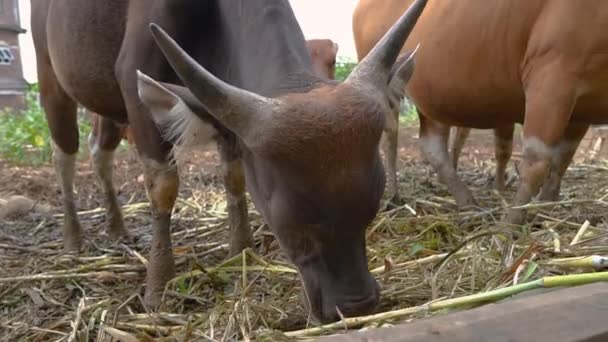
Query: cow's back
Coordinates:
[82,40]
[475,57]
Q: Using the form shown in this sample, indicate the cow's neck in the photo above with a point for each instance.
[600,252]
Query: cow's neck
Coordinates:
[269,46]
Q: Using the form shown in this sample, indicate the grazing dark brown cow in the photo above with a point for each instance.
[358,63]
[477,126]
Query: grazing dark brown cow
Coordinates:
[323,53]
[307,147]
[480,67]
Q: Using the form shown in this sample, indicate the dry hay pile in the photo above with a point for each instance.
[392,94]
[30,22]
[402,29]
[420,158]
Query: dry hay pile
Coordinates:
[421,252]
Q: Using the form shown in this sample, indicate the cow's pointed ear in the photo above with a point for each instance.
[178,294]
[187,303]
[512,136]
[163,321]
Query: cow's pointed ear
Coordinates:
[177,122]
[158,99]
[400,76]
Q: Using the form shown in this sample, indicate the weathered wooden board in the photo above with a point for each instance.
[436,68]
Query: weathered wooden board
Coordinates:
[566,315]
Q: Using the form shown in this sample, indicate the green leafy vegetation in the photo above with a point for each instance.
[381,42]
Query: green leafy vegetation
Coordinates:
[408,115]
[25,137]
[344,66]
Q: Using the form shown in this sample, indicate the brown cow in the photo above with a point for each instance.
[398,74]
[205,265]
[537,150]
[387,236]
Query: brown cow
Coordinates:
[322,51]
[305,148]
[480,67]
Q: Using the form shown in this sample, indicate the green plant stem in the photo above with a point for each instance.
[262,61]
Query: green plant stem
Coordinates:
[490,296]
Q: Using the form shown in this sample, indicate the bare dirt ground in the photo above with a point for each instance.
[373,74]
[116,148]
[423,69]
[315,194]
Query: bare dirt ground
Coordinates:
[48,296]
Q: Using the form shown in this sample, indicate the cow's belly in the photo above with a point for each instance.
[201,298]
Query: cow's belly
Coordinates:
[473,107]
[477,109]
[590,109]
[84,40]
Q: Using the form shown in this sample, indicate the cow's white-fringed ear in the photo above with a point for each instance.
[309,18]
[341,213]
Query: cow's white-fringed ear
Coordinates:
[175,119]
[159,100]
[400,75]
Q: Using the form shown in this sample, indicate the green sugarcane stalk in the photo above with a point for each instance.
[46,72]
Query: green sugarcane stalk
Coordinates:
[574,279]
[489,296]
[593,261]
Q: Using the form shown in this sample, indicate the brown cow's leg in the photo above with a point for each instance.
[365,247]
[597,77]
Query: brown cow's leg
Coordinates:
[104,139]
[391,130]
[559,164]
[434,146]
[160,176]
[549,104]
[61,114]
[534,169]
[503,147]
[162,182]
[458,141]
[234,181]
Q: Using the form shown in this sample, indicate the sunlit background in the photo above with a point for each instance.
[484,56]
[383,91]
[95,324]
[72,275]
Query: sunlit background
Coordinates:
[318,19]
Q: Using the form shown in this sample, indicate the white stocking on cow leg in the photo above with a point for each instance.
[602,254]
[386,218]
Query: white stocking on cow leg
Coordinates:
[65,168]
[434,145]
[547,93]
[61,114]
[565,151]
[104,138]
[535,168]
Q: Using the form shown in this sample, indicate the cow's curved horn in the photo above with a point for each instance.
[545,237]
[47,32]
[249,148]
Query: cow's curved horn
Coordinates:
[375,67]
[241,111]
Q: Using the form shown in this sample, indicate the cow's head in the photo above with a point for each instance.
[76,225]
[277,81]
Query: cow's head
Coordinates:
[312,160]
[323,53]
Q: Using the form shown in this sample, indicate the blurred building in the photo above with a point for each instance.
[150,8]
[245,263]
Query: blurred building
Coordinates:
[12,83]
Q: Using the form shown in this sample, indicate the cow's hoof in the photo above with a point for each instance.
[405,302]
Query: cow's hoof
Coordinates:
[515,217]
[240,244]
[466,201]
[118,233]
[115,227]
[71,247]
[153,298]
[156,281]
[72,238]
[549,196]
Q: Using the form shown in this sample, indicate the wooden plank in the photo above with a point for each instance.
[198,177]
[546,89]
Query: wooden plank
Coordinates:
[577,314]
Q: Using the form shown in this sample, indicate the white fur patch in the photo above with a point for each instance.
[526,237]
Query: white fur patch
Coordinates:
[177,123]
[554,153]
[538,146]
[65,167]
[103,162]
[434,150]
[188,132]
